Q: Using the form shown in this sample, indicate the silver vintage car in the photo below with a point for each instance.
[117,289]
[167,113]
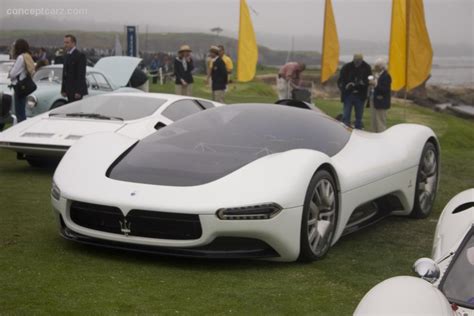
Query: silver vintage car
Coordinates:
[110,74]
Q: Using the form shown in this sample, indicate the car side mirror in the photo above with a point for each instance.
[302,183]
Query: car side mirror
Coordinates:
[427,269]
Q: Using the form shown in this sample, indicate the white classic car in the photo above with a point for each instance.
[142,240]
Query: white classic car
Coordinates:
[446,286]
[244,180]
[109,74]
[48,136]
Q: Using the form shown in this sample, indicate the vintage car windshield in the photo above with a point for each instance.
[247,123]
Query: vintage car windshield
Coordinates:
[211,144]
[458,285]
[111,106]
[53,74]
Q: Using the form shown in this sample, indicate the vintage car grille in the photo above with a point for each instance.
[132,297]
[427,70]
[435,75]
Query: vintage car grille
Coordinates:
[138,223]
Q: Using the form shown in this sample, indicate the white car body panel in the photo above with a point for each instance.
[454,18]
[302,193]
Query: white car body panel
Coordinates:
[452,228]
[258,182]
[406,295]
[41,135]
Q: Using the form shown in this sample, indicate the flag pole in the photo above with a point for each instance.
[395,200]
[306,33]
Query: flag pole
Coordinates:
[324,40]
[408,8]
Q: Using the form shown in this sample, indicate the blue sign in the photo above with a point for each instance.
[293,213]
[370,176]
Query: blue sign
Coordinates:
[132,41]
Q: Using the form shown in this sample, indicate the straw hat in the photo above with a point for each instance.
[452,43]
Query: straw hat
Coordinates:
[184,48]
[214,49]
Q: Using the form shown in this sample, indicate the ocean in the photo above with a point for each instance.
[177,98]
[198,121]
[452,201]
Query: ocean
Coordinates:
[451,71]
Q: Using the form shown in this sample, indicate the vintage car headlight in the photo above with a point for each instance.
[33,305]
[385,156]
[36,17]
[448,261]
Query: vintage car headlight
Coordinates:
[31,101]
[254,212]
[55,192]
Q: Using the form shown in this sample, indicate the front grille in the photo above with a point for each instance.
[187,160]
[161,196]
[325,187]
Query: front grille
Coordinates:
[97,217]
[137,223]
[164,225]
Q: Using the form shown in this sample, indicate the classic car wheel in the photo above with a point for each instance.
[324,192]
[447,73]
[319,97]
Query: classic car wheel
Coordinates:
[426,182]
[57,104]
[319,217]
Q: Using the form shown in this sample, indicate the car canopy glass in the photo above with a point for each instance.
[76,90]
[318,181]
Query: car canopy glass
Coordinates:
[112,106]
[458,284]
[209,145]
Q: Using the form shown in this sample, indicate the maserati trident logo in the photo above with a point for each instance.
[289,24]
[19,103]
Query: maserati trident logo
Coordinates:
[125,227]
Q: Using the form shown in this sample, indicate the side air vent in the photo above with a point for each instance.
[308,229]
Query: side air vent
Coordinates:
[38,135]
[463,207]
[159,125]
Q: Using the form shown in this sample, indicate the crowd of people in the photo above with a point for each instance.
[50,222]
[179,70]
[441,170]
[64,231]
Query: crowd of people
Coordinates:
[219,67]
[360,86]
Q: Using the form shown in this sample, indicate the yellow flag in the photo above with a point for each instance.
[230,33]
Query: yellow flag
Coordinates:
[398,45]
[247,51]
[411,54]
[420,52]
[330,51]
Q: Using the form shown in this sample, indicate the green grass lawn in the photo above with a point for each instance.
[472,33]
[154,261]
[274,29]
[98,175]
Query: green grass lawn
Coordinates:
[40,273]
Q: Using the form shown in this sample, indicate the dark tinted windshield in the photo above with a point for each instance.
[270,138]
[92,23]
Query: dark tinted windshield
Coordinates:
[211,144]
[111,105]
[458,285]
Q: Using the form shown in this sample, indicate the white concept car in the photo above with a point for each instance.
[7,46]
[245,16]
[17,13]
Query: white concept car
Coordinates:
[48,136]
[446,286]
[248,180]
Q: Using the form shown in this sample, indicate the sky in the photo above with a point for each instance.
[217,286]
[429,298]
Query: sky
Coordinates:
[275,21]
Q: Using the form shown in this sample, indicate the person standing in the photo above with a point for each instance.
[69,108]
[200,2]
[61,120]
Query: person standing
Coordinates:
[154,68]
[219,75]
[229,65]
[183,67]
[382,94]
[74,86]
[23,67]
[289,77]
[353,83]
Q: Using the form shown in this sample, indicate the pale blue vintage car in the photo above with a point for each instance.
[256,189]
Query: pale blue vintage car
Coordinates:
[110,74]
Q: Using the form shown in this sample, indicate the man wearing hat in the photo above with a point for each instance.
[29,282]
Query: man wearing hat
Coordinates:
[219,75]
[354,83]
[183,67]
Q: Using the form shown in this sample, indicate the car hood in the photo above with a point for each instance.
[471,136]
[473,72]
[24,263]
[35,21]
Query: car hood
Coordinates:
[58,131]
[119,69]
[46,88]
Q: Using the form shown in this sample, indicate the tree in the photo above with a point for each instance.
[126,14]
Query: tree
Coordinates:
[216,30]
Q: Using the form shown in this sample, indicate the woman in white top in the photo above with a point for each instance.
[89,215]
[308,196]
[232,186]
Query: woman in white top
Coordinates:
[23,66]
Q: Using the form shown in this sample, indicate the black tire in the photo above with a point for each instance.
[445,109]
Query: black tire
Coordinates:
[426,182]
[322,207]
[57,104]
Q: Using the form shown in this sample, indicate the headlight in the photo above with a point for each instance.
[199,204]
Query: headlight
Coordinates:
[255,212]
[55,192]
[31,101]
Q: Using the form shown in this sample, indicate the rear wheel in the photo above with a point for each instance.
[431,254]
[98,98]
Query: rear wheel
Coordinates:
[426,182]
[318,224]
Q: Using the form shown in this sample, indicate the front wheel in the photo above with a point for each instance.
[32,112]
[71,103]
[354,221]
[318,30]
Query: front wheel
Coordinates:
[318,223]
[57,104]
[426,182]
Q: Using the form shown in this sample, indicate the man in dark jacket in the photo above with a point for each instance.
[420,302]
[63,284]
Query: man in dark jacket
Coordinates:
[219,75]
[381,96]
[183,67]
[354,83]
[74,85]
